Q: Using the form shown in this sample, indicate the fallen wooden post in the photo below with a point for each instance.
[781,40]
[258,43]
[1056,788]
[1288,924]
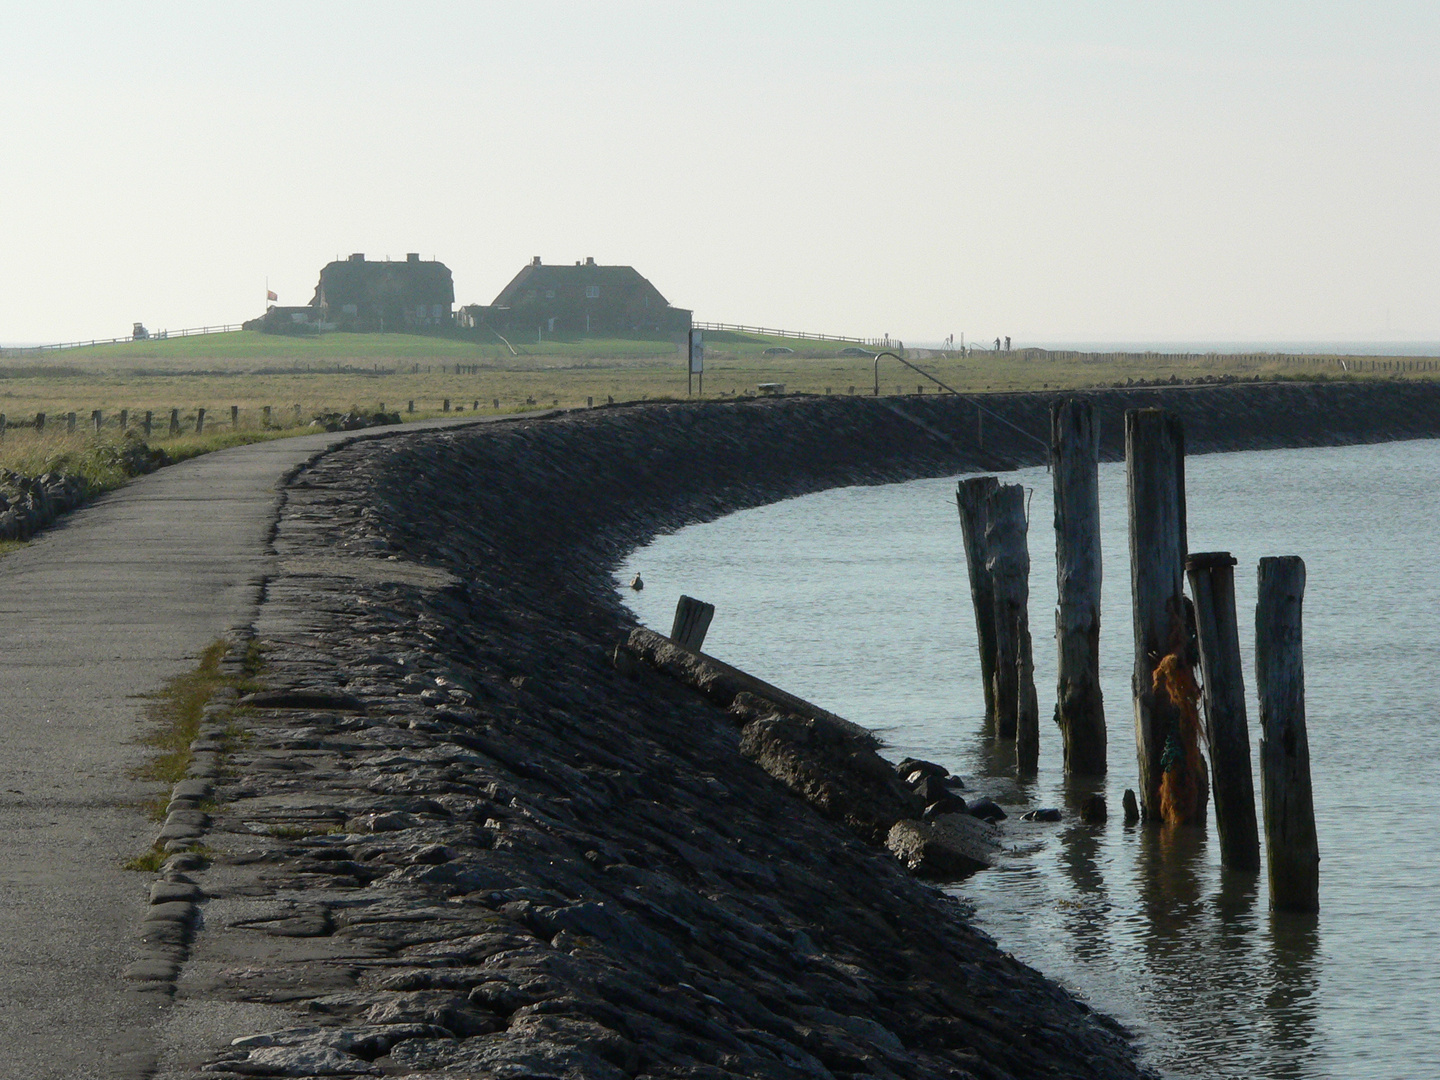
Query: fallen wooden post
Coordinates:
[1079,705]
[1291,848]
[1212,585]
[1155,493]
[692,621]
[970,497]
[1008,561]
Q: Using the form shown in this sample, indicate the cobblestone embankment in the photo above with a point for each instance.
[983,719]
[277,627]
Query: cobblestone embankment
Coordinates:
[465,843]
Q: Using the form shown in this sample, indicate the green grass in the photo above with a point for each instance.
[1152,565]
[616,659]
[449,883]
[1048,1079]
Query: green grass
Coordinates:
[147,863]
[175,714]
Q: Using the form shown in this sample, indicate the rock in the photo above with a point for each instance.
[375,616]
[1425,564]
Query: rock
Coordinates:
[908,767]
[946,804]
[453,1012]
[829,768]
[987,810]
[954,783]
[308,1060]
[1132,808]
[1048,815]
[943,850]
[303,699]
[164,892]
[929,787]
[1093,812]
[394,821]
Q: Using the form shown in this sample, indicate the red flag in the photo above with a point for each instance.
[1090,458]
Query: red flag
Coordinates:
[270,295]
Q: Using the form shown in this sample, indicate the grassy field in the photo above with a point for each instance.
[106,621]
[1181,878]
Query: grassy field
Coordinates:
[338,372]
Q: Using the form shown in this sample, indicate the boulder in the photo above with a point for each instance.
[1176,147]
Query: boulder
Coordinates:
[987,809]
[946,849]
[909,766]
[1047,814]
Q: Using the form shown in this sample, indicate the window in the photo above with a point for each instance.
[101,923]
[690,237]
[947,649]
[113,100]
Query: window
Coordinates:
[592,292]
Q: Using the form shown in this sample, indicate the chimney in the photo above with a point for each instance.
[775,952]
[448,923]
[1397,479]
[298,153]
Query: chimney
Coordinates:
[535,261]
[359,256]
[412,257]
[589,261]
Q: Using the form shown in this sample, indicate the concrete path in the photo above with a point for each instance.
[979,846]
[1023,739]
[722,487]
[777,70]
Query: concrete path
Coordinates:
[94,615]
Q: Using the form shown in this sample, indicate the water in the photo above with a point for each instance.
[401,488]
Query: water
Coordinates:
[858,599]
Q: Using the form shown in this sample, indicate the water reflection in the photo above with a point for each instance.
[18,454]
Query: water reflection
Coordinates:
[1290,1014]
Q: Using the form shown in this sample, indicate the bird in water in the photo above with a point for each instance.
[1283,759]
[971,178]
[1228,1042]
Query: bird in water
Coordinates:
[636,583]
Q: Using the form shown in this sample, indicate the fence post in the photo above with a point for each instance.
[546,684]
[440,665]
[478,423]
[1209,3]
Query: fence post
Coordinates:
[2,425]
[124,421]
[692,621]
[265,416]
[234,417]
[446,406]
[96,420]
[39,422]
[1291,848]
[1008,561]
[970,498]
[1212,586]
[70,422]
[148,418]
[410,407]
[1155,489]
[297,415]
[174,421]
[199,421]
[1079,706]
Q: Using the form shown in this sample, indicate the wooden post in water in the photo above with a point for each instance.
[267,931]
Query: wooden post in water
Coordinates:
[1079,706]
[1212,586]
[692,620]
[1155,491]
[1008,561]
[1291,848]
[970,497]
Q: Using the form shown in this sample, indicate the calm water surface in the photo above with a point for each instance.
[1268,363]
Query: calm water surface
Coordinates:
[858,599]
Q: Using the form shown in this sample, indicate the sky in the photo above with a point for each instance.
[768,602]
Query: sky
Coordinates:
[1096,171]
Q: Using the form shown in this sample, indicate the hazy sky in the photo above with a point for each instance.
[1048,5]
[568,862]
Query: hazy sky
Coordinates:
[1051,171]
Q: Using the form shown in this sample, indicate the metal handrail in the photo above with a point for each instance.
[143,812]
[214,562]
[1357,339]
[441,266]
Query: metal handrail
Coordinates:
[957,393]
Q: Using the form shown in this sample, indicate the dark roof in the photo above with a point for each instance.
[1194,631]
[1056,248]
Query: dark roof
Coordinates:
[539,278]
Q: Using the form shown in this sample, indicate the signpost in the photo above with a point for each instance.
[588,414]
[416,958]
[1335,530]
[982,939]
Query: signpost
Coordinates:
[697,363]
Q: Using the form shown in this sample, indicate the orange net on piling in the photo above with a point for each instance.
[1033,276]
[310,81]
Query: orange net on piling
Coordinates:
[1183,778]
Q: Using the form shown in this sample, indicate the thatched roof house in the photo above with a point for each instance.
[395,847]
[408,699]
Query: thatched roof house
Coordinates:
[584,298]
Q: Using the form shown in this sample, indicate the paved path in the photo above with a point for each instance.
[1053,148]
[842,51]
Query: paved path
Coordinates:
[95,614]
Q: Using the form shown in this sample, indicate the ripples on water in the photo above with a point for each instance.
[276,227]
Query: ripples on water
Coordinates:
[858,599]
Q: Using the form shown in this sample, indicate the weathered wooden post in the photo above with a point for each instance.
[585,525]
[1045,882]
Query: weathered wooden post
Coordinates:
[96,420]
[234,417]
[692,621]
[1155,492]
[124,421]
[411,406]
[1008,561]
[1291,848]
[970,498]
[70,422]
[174,421]
[1079,706]
[265,416]
[446,406]
[1027,707]
[149,417]
[2,425]
[39,422]
[1212,586]
[199,421]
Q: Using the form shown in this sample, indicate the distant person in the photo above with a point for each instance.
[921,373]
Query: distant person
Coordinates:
[997,344]
[1007,342]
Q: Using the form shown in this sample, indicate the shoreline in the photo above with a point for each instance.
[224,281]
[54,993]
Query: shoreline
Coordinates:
[459,584]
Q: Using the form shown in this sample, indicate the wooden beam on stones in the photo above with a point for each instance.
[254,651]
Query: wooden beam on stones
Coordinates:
[1212,586]
[970,497]
[1155,493]
[692,621]
[1079,705]
[1291,848]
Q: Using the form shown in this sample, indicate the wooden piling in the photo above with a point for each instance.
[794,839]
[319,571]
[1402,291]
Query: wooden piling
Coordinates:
[970,498]
[1008,561]
[1212,586]
[1079,705]
[1155,493]
[692,621]
[1291,848]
